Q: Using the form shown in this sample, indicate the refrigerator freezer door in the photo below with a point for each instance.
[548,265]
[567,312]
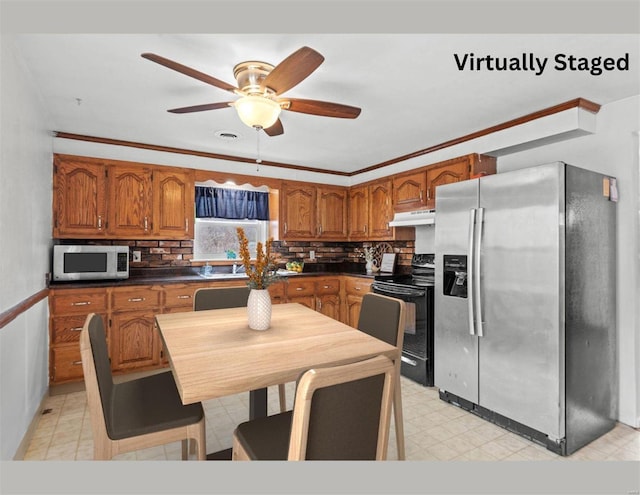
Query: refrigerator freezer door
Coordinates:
[521,355]
[455,349]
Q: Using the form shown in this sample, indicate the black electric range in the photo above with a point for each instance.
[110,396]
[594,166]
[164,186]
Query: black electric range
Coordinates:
[416,290]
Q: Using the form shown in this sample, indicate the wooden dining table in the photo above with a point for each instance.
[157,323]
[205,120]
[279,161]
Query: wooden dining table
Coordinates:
[214,353]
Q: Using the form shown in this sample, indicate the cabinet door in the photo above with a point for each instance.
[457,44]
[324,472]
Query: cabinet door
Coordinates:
[380,210]
[353,310]
[355,289]
[277,293]
[135,342]
[130,201]
[409,191]
[298,211]
[332,213]
[438,176]
[79,199]
[173,204]
[329,305]
[358,212]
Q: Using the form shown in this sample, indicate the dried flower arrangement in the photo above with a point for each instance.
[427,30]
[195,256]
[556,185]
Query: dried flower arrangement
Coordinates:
[263,272]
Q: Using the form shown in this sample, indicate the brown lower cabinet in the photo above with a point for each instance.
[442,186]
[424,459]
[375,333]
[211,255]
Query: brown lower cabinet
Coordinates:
[129,314]
[354,290]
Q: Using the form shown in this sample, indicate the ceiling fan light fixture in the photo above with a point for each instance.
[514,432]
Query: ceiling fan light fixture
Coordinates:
[257,111]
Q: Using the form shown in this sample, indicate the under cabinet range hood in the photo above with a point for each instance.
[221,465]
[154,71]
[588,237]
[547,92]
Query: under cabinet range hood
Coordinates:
[411,218]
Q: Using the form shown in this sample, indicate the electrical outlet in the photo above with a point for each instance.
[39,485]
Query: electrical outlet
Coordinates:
[312,255]
[137,256]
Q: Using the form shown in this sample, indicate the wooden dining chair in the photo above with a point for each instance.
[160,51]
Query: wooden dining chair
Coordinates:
[229,297]
[339,413]
[135,414]
[384,317]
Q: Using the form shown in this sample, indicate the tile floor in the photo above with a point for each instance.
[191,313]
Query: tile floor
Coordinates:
[434,430]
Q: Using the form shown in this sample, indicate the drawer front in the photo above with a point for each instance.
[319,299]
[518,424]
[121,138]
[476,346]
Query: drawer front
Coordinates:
[135,298]
[328,286]
[298,288]
[84,302]
[65,329]
[179,297]
[355,285]
[67,364]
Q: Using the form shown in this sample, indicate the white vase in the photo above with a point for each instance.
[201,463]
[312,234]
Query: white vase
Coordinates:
[259,309]
[369,266]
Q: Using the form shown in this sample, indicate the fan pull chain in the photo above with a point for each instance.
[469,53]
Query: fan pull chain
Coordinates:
[258,159]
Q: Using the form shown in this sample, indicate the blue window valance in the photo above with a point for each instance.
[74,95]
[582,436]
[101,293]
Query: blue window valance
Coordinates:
[234,204]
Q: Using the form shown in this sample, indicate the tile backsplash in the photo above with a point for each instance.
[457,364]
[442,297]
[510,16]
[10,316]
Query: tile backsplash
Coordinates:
[172,253]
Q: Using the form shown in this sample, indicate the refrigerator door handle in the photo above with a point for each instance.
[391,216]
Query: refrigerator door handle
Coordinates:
[476,275]
[470,270]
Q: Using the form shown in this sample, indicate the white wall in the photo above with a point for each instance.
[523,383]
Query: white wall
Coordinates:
[25,230]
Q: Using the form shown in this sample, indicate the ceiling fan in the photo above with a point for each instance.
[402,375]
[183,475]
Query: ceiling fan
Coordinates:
[260,86]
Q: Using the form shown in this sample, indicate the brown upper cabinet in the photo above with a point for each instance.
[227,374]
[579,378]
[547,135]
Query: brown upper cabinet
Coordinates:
[96,198]
[79,198]
[313,212]
[370,211]
[332,213]
[130,201]
[417,190]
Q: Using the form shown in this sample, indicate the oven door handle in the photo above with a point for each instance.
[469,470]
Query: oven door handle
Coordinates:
[397,291]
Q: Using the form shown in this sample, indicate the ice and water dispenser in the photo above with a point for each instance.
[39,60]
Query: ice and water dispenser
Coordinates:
[455,275]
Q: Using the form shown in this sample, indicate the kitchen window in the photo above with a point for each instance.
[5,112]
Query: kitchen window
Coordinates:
[220,210]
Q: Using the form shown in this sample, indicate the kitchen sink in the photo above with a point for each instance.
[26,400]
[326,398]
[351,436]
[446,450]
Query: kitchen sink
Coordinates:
[223,275]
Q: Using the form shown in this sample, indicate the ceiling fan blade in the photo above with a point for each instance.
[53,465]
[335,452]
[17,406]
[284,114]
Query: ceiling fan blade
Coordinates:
[292,70]
[322,108]
[276,129]
[201,108]
[183,69]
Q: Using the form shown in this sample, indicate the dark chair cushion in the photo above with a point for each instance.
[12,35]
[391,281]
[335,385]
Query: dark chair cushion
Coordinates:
[266,439]
[344,420]
[228,297]
[147,405]
[379,318]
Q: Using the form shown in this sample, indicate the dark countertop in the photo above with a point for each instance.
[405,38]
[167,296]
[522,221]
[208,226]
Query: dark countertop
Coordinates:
[164,276]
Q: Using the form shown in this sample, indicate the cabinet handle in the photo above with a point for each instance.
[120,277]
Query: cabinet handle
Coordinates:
[365,228]
[99,222]
[146,224]
[285,228]
[421,194]
[428,193]
[298,288]
[76,329]
[76,363]
[184,297]
[320,226]
[186,225]
[81,303]
[136,299]
[327,287]
[319,304]
[357,288]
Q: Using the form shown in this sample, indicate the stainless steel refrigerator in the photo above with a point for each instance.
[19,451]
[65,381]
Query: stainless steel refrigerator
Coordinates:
[525,302]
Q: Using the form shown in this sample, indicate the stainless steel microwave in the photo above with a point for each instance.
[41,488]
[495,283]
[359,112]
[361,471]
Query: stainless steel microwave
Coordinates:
[76,262]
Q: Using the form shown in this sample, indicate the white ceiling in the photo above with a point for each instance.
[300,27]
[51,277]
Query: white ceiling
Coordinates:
[411,93]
